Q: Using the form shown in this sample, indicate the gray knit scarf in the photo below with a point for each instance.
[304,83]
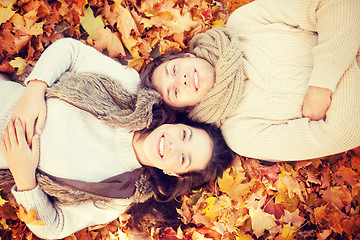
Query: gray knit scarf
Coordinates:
[222,50]
[108,101]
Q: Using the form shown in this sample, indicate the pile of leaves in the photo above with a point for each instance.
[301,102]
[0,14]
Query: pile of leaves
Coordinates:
[317,199]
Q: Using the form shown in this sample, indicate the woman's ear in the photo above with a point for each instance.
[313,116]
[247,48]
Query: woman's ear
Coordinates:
[170,173]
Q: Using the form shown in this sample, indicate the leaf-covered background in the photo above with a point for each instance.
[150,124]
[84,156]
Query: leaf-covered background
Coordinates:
[317,199]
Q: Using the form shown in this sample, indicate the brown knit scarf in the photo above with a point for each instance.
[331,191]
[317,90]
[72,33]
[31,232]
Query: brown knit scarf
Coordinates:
[222,51]
[108,101]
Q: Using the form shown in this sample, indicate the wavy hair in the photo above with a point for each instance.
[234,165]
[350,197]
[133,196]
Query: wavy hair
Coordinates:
[160,210]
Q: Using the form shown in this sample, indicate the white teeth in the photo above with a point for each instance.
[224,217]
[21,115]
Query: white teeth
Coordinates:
[196,80]
[161,146]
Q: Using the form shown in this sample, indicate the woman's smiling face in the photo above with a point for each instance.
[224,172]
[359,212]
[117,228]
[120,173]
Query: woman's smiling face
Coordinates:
[175,148]
[183,82]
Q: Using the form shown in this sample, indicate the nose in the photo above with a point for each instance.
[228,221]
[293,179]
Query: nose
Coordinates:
[176,146]
[182,80]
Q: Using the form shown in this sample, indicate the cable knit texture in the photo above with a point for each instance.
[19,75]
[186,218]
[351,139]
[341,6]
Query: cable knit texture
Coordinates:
[223,51]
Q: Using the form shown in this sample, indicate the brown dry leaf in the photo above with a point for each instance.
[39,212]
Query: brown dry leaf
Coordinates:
[339,195]
[346,175]
[29,217]
[184,211]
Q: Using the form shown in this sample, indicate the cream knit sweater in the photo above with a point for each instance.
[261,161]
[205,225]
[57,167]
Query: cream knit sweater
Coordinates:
[73,143]
[289,45]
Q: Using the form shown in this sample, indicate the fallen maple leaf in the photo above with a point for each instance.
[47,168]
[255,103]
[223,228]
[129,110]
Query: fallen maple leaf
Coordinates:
[91,24]
[109,41]
[294,218]
[29,217]
[18,63]
[5,14]
[261,221]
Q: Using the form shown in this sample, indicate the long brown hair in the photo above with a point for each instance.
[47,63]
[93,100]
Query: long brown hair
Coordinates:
[161,209]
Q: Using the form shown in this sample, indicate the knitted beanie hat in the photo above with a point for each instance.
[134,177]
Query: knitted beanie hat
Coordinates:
[223,52]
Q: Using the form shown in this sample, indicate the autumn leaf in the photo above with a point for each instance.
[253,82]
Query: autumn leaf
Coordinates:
[287,233]
[313,199]
[29,217]
[18,63]
[2,201]
[294,218]
[261,221]
[109,41]
[5,14]
[92,24]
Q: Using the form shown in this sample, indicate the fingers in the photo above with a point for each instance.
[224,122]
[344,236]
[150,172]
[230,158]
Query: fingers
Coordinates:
[20,132]
[29,132]
[12,134]
[40,123]
[35,147]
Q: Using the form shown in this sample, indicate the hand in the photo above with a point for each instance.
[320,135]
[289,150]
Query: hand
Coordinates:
[22,160]
[31,109]
[316,103]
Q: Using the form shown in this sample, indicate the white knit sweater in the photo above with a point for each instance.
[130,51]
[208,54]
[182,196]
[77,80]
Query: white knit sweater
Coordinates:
[289,45]
[73,143]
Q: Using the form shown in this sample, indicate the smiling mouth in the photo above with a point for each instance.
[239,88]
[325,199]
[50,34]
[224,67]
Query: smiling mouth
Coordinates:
[162,146]
[196,80]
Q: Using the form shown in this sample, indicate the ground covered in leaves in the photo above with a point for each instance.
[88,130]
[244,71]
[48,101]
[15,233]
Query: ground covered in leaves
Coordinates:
[317,199]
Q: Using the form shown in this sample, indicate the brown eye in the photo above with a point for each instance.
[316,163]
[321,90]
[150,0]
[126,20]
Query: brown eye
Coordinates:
[174,70]
[184,135]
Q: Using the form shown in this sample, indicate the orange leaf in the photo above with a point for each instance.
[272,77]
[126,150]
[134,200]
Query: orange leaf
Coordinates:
[109,41]
[29,217]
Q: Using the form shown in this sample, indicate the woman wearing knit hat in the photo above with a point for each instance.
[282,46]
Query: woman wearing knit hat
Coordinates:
[282,79]
[102,151]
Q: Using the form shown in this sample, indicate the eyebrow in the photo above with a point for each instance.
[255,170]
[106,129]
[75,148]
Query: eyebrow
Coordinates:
[190,159]
[168,89]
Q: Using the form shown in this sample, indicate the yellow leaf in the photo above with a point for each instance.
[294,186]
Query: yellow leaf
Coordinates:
[5,14]
[218,23]
[287,233]
[29,217]
[261,221]
[234,186]
[92,24]
[18,63]
[3,224]
[217,207]
[242,236]
[7,3]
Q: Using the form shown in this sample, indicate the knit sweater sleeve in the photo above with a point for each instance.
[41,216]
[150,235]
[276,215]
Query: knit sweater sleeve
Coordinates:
[68,54]
[337,23]
[62,221]
[295,140]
